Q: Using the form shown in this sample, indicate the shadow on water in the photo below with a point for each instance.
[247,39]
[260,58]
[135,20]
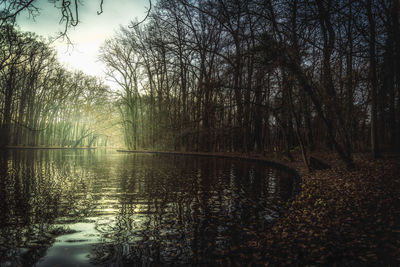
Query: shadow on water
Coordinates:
[85,208]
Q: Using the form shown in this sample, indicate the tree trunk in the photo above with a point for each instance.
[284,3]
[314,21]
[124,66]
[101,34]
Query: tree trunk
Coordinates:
[374,82]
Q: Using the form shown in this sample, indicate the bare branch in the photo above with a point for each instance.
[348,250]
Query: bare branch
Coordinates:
[143,20]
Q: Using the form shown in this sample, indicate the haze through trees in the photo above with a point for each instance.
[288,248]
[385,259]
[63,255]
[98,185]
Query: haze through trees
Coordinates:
[261,75]
[42,103]
[217,75]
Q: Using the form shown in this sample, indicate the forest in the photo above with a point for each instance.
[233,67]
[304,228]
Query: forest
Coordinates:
[43,103]
[223,132]
[265,76]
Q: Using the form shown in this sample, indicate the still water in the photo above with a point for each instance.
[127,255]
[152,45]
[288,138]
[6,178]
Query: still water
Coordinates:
[105,208]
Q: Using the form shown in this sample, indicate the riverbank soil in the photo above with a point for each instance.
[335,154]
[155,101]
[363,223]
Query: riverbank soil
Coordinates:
[341,217]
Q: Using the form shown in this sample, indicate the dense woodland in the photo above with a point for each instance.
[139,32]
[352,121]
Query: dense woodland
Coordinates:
[218,75]
[44,104]
[261,76]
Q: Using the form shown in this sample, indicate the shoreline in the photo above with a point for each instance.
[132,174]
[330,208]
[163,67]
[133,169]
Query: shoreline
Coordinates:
[339,218]
[228,155]
[36,147]
[336,218]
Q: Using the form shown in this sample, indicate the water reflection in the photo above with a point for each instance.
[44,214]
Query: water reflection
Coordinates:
[104,208]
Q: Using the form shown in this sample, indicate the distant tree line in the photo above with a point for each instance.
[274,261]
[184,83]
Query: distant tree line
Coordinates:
[42,103]
[278,75]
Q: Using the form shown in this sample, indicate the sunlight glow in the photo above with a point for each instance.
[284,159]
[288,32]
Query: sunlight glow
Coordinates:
[81,56]
[89,35]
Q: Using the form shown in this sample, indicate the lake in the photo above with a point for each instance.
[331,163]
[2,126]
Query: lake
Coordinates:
[105,208]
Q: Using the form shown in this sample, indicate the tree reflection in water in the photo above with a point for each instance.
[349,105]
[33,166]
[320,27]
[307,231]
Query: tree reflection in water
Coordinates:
[144,209]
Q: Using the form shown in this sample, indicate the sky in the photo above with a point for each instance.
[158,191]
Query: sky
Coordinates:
[90,33]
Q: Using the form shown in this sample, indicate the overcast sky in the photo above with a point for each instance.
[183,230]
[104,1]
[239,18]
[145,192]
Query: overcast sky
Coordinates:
[90,33]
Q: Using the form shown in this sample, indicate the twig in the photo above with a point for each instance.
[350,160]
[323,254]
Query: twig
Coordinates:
[143,20]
